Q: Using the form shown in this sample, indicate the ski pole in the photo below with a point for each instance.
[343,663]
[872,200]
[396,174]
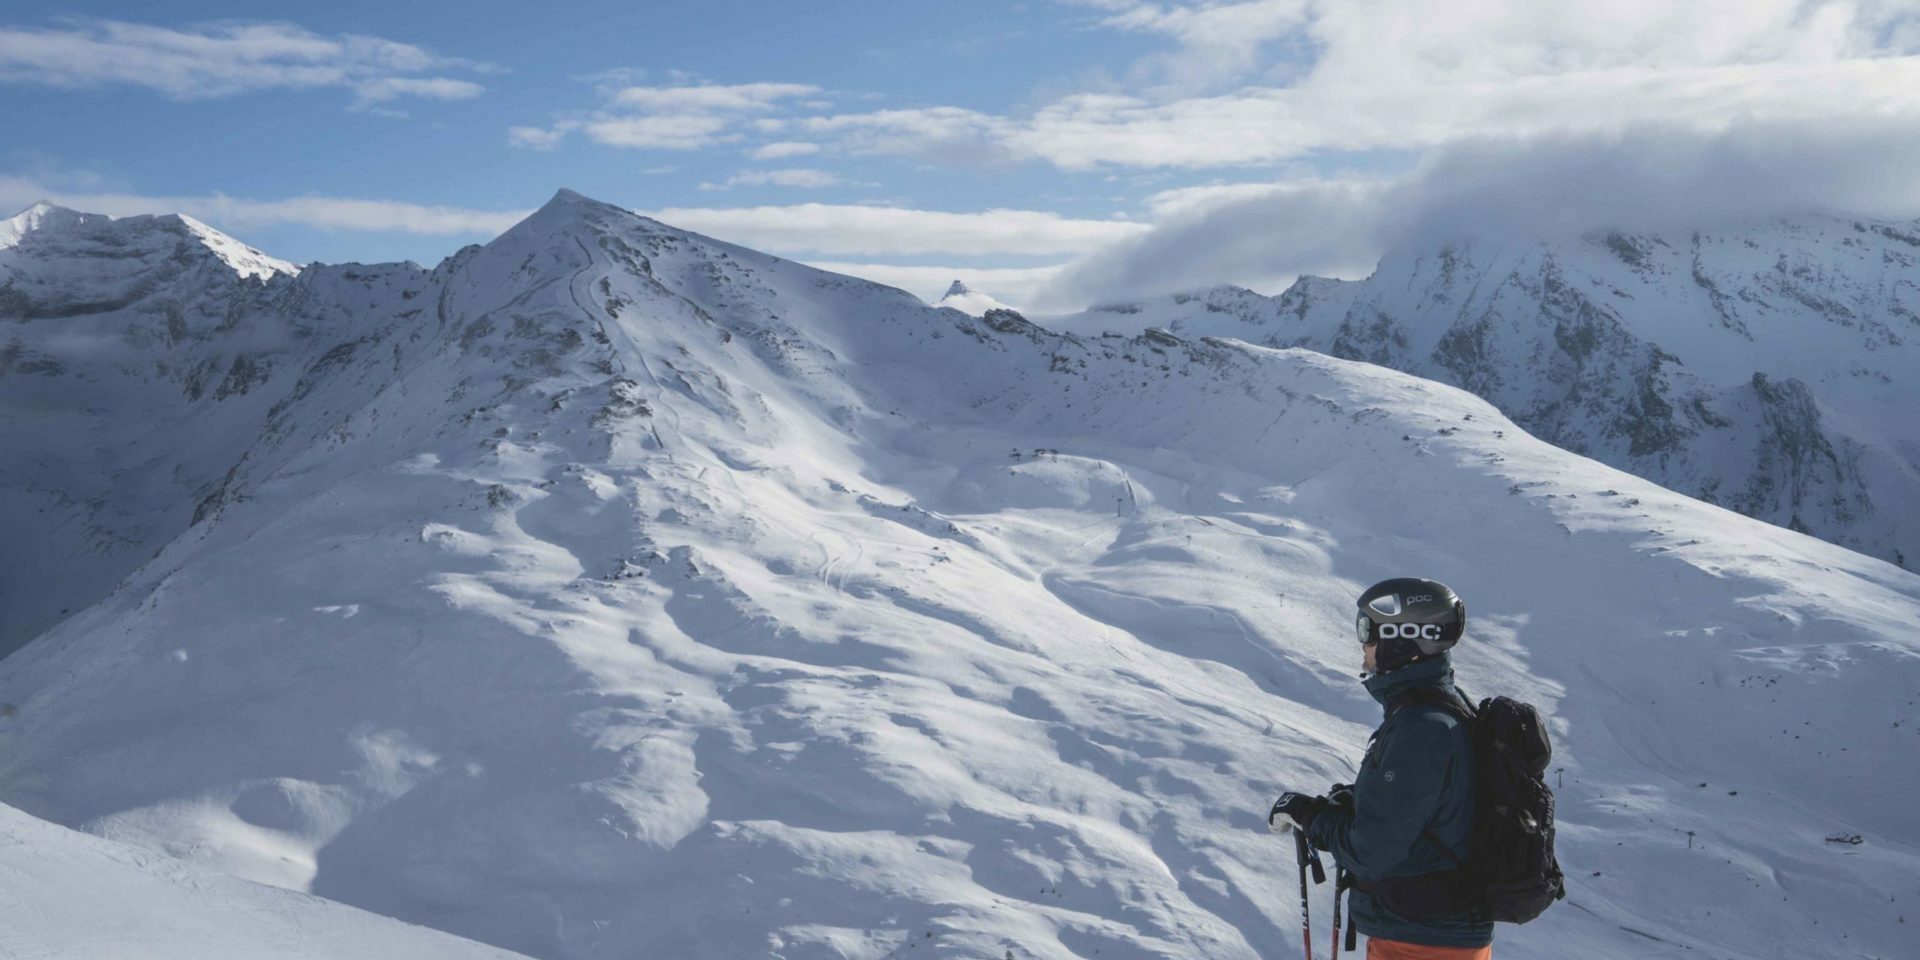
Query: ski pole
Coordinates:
[1339,886]
[1301,851]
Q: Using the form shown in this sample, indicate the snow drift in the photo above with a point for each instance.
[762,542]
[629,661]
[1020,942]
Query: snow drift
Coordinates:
[73,895]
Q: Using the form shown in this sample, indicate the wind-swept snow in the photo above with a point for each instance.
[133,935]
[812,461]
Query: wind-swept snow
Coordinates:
[614,591]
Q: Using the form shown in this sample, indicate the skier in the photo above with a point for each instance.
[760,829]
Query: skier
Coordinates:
[1405,824]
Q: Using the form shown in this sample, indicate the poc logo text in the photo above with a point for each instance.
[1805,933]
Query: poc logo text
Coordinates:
[1410,631]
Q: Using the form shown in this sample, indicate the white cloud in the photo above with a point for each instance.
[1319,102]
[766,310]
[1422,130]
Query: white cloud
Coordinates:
[1182,199]
[949,133]
[345,213]
[843,229]
[1016,286]
[676,131]
[685,117]
[784,149]
[1293,80]
[1396,42]
[1413,75]
[536,138]
[1665,177]
[433,88]
[326,213]
[700,99]
[225,59]
[1216,41]
[793,177]
[1268,126]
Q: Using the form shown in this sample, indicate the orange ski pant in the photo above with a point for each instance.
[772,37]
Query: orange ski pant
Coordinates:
[1397,950]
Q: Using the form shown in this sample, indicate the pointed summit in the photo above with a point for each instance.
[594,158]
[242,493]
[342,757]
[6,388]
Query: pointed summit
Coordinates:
[573,204]
[564,197]
[43,215]
[565,210]
[563,207]
[969,301]
[571,213]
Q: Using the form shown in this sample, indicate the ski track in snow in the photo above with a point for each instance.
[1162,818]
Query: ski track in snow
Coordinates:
[775,649]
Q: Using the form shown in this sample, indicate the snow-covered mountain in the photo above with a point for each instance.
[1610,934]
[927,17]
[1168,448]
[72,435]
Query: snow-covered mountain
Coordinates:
[609,590]
[969,301]
[128,350]
[1768,369]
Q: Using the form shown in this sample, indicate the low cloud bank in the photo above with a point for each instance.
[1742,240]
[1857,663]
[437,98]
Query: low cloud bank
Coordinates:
[1648,179]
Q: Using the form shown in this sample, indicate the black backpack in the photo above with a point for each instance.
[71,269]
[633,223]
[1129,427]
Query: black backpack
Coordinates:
[1513,875]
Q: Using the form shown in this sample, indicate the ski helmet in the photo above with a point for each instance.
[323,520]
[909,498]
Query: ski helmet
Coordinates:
[1411,618]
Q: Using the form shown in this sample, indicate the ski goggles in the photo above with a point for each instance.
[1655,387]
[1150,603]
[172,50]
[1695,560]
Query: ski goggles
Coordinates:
[1388,605]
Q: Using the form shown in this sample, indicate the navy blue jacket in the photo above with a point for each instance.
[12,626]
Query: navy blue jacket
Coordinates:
[1418,773]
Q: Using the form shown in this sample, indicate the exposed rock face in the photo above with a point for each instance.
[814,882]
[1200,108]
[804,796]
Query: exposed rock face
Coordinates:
[1767,369]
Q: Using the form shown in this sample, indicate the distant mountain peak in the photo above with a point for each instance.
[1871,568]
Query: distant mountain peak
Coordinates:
[568,211]
[564,205]
[60,225]
[965,299]
[43,215]
[565,199]
[573,203]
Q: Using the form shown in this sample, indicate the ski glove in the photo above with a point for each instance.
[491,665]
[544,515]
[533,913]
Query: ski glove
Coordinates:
[1340,795]
[1298,806]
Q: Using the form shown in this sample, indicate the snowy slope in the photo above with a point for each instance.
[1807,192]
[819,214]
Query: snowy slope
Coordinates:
[1767,369]
[612,591]
[969,301]
[70,896]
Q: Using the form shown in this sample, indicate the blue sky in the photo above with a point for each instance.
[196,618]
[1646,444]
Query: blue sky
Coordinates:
[1046,150]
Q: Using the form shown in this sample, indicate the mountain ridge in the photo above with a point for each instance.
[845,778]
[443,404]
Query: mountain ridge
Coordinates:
[49,222]
[1760,368]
